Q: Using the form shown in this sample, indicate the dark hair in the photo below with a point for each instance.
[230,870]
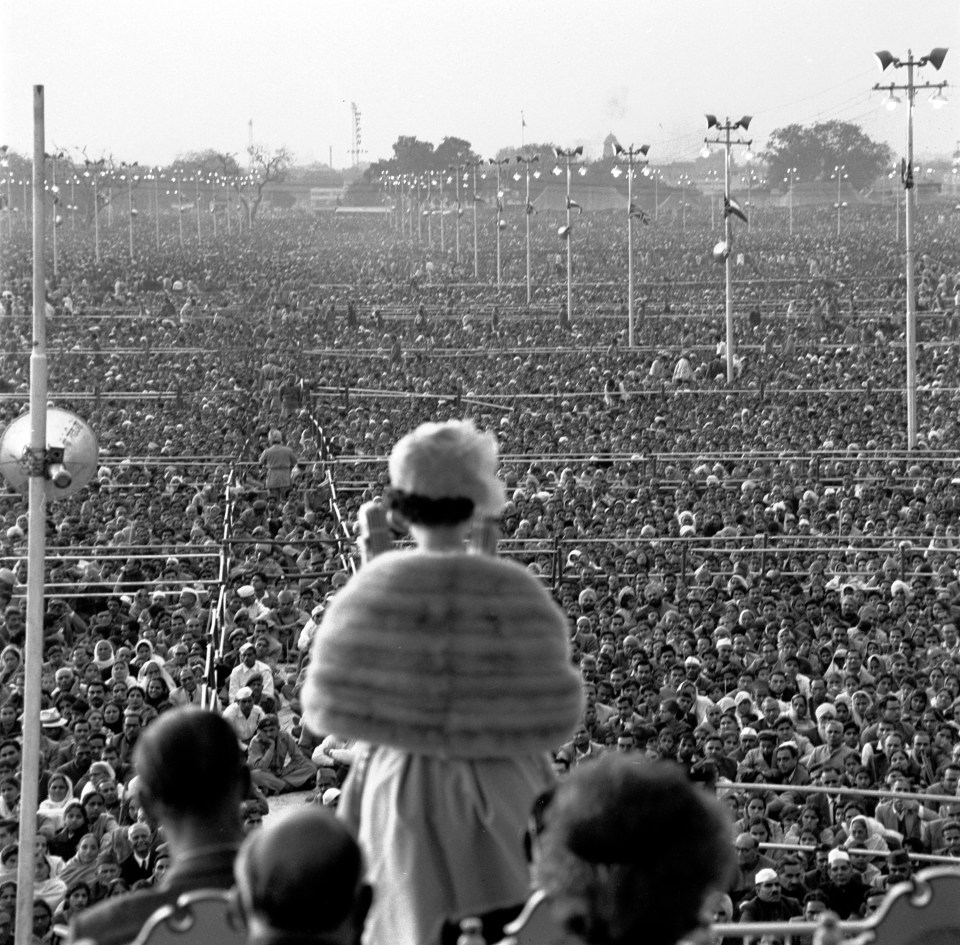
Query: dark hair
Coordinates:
[190,761]
[280,867]
[422,510]
[595,854]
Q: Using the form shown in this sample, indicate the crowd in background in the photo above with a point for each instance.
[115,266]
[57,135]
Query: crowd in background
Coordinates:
[761,582]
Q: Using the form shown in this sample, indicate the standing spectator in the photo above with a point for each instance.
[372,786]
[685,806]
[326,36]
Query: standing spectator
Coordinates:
[278,461]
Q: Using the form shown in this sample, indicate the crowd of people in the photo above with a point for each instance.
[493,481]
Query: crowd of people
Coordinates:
[761,582]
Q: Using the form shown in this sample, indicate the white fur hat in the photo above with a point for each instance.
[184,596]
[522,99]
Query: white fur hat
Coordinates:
[449,460]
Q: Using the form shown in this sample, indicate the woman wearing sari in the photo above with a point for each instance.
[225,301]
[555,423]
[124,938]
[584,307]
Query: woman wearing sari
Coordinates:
[59,795]
[82,866]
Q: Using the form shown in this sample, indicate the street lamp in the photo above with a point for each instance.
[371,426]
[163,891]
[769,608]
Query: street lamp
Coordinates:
[55,195]
[476,199]
[790,180]
[565,231]
[684,180]
[730,208]
[95,176]
[654,175]
[501,223]
[443,243]
[457,170]
[840,174]
[633,157]
[131,213]
[934,58]
[528,209]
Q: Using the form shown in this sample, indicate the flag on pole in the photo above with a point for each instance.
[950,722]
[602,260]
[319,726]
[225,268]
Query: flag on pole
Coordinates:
[573,205]
[523,121]
[639,213]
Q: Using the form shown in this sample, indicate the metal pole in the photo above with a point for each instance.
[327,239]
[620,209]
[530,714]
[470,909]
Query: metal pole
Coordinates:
[569,254]
[911,289]
[198,210]
[156,205]
[728,268]
[73,205]
[443,245]
[457,172]
[791,201]
[180,211]
[430,210]
[526,213]
[53,192]
[96,215]
[130,211]
[476,255]
[419,216]
[36,547]
[630,323]
[499,219]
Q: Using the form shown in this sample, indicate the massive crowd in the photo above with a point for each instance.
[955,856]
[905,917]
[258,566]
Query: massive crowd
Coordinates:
[761,581]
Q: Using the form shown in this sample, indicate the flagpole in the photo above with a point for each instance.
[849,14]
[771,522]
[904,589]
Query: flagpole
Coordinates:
[523,128]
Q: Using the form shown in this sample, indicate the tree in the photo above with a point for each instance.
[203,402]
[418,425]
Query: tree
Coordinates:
[816,150]
[265,167]
[546,150]
[453,151]
[210,162]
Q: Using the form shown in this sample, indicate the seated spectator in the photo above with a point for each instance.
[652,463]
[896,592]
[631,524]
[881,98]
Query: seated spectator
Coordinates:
[277,765]
[301,878]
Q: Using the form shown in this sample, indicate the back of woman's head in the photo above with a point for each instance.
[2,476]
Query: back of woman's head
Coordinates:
[189,762]
[631,851]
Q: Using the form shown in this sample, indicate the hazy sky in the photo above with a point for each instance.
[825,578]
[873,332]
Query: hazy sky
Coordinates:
[144,81]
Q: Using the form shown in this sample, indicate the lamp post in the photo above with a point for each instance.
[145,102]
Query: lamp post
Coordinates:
[197,179]
[419,212]
[729,208]
[457,170]
[443,245]
[156,204]
[633,157]
[654,175]
[684,181]
[129,178]
[790,179]
[840,173]
[476,256]
[429,210]
[501,223]
[55,195]
[95,175]
[565,231]
[527,210]
[934,58]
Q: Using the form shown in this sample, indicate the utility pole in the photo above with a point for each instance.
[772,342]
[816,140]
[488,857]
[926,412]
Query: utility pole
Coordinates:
[935,58]
[631,155]
[726,129]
